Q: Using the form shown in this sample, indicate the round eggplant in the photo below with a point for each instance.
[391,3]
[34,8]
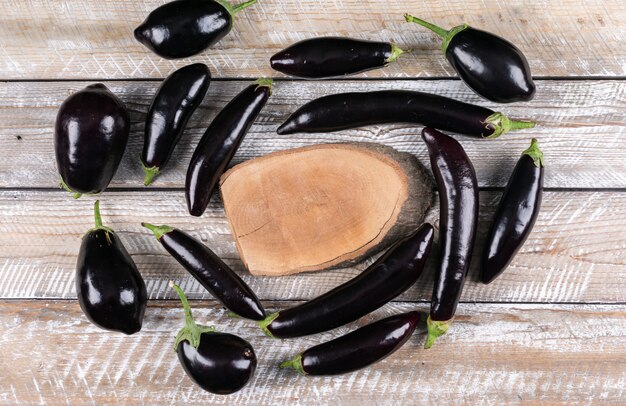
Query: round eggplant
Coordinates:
[184,28]
[217,362]
[110,289]
[90,137]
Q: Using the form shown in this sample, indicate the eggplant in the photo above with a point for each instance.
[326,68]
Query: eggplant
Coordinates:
[219,363]
[220,142]
[184,28]
[490,65]
[392,274]
[358,349]
[350,110]
[327,57]
[458,201]
[174,103]
[208,269]
[516,214]
[110,289]
[90,136]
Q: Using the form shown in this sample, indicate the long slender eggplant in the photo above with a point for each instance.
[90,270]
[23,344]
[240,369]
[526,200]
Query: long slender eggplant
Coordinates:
[220,142]
[110,289]
[393,273]
[327,57]
[184,28]
[217,362]
[358,349]
[516,214]
[350,110]
[458,200]
[90,137]
[490,65]
[208,269]
[174,103]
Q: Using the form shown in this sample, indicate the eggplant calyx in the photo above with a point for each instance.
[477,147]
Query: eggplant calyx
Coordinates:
[64,186]
[264,82]
[232,10]
[446,35]
[501,124]
[150,172]
[535,153]
[266,322]
[435,330]
[192,332]
[159,231]
[295,363]
[396,51]
[98,219]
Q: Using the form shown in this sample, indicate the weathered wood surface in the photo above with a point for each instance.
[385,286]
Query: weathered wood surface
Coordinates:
[580,128]
[575,253]
[94,39]
[493,353]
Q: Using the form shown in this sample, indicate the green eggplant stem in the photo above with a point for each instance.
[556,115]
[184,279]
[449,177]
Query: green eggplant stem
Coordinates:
[192,332]
[396,51]
[501,124]
[295,363]
[264,82]
[64,186]
[435,330]
[98,218]
[232,10]
[535,153]
[158,231]
[446,35]
[150,173]
[266,322]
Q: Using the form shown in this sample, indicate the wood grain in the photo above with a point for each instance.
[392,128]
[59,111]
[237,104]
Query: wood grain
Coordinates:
[575,253]
[572,117]
[93,39]
[513,353]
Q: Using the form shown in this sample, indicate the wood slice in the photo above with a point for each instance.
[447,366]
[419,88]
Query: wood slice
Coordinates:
[323,206]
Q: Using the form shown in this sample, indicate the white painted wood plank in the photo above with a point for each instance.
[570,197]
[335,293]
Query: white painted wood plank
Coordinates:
[575,253]
[493,354]
[580,127]
[94,38]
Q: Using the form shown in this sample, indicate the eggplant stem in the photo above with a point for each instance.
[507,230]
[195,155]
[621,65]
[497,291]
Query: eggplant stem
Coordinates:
[264,82]
[150,173]
[159,231]
[535,153]
[435,330]
[98,219]
[266,322]
[446,35]
[64,186]
[396,51]
[232,10]
[192,332]
[501,124]
[295,363]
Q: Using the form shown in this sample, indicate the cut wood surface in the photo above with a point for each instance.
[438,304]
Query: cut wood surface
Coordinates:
[574,254]
[323,206]
[493,353]
[94,39]
[580,128]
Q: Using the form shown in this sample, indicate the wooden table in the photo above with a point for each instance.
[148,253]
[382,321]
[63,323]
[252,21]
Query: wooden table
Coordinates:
[552,329]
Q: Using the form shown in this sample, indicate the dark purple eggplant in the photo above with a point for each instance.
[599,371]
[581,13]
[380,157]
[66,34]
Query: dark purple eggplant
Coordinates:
[90,137]
[220,142]
[350,110]
[110,289]
[219,363]
[458,201]
[490,65]
[184,28]
[174,103]
[516,214]
[327,57]
[208,269]
[358,349]
[392,274]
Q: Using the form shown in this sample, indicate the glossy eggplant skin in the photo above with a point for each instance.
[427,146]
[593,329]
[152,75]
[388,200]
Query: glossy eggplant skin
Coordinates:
[351,110]
[516,214]
[183,28]
[174,103]
[328,57]
[357,349]
[110,289]
[212,273]
[220,142]
[222,363]
[393,273]
[91,133]
[458,201]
